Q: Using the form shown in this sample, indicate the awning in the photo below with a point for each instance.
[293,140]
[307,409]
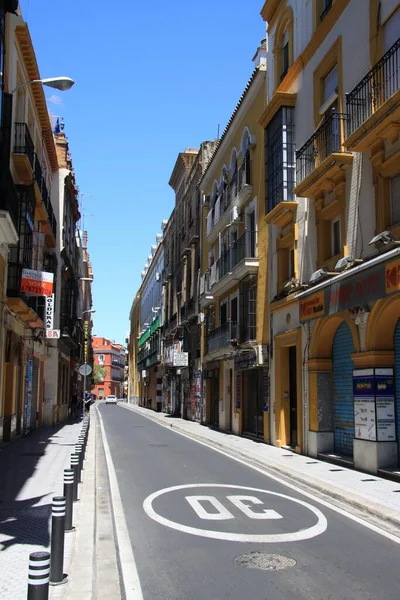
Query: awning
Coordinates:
[155,325]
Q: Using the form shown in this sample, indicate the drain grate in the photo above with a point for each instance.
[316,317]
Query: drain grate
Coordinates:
[264,562]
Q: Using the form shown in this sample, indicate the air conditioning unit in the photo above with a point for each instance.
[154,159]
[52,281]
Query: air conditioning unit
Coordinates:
[235,214]
[200,318]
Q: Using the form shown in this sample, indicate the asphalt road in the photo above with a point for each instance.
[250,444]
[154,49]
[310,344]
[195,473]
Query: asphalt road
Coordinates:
[194,542]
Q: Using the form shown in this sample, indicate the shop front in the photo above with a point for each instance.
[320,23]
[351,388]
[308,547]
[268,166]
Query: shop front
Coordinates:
[252,394]
[353,364]
[211,376]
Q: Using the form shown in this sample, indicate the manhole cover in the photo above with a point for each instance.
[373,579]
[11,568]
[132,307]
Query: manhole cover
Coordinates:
[264,562]
[157,445]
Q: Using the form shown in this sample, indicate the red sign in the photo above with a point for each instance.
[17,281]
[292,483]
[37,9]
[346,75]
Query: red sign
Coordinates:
[312,307]
[392,279]
[37,283]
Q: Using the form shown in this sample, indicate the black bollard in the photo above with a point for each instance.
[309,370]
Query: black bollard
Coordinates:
[38,576]
[57,541]
[75,468]
[78,451]
[69,497]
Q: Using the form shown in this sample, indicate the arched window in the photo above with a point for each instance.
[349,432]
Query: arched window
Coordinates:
[214,194]
[283,46]
[233,162]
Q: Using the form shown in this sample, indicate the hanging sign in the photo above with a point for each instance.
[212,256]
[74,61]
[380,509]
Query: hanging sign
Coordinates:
[86,341]
[49,314]
[37,283]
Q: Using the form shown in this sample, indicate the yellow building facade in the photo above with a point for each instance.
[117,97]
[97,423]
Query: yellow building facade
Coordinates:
[233,278]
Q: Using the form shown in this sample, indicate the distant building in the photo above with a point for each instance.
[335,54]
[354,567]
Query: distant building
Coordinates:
[111,357]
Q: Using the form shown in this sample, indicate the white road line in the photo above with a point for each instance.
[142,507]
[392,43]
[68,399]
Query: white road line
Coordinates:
[336,509]
[267,538]
[130,576]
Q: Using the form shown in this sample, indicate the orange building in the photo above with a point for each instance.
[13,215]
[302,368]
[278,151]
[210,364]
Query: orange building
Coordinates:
[110,356]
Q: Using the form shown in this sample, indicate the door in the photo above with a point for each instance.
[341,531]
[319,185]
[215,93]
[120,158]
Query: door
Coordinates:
[293,395]
[214,417]
[397,380]
[343,404]
[35,392]
[253,409]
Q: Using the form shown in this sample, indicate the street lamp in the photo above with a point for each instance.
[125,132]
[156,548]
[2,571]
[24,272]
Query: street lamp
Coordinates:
[59,83]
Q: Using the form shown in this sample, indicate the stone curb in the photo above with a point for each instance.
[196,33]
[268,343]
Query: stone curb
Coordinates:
[365,507]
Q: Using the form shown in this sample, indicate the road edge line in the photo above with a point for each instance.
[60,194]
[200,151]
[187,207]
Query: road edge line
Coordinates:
[264,469]
[130,575]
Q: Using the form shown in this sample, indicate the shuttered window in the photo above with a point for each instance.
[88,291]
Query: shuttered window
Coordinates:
[395,199]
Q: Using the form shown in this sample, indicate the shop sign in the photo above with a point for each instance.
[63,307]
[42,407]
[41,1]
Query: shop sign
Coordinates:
[374,410]
[246,360]
[312,307]
[49,316]
[54,334]
[181,359]
[85,341]
[37,283]
[169,351]
[238,390]
[392,276]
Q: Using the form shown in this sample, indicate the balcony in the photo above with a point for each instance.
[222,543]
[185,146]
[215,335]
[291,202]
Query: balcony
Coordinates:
[373,106]
[16,300]
[222,336]
[237,193]
[194,231]
[322,158]
[23,152]
[49,224]
[69,331]
[236,263]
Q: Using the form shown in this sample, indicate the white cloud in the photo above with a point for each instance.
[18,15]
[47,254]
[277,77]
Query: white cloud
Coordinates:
[54,99]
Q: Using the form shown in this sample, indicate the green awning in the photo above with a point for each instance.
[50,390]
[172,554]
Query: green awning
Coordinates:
[155,325]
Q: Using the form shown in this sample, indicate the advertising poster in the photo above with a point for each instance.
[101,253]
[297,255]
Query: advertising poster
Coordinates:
[28,393]
[364,404]
[385,411]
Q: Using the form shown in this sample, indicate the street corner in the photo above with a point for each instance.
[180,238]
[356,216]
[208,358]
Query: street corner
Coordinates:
[235,513]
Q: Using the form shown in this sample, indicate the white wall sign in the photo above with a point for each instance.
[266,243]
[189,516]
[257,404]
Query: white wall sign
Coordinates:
[49,314]
[53,334]
[181,359]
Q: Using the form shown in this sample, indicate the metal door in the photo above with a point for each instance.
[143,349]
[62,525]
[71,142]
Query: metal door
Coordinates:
[35,391]
[343,404]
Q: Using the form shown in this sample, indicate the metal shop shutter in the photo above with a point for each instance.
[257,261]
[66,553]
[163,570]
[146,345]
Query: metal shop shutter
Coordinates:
[397,378]
[35,389]
[343,405]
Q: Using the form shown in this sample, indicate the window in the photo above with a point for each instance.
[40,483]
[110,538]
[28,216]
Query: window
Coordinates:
[280,158]
[252,312]
[391,31]
[336,237]
[223,312]
[101,359]
[326,6]
[292,269]
[330,92]
[395,199]
[285,54]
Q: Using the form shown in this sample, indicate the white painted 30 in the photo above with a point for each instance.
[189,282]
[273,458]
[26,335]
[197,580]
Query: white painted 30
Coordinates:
[199,505]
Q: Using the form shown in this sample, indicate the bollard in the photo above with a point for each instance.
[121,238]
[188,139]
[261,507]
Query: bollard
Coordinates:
[38,576]
[78,451]
[81,442]
[75,468]
[57,541]
[69,497]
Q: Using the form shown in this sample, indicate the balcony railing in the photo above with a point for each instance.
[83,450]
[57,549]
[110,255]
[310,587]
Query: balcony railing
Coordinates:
[37,172]
[326,140]
[244,247]
[221,336]
[23,142]
[382,81]
[52,219]
[225,199]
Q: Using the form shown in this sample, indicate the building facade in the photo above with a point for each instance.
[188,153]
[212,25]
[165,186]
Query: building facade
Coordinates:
[330,125]
[111,358]
[233,268]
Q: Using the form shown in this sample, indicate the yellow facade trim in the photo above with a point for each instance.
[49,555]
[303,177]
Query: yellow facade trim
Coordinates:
[278,100]
[324,332]
[324,177]
[282,215]
[270,9]
[283,303]
[374,358]
[28,54]
[332,58]
[285,23]
[382,322]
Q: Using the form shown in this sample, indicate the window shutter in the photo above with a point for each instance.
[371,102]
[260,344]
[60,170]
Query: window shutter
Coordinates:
[395,199]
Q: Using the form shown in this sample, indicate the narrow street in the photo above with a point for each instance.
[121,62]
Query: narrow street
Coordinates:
[202,526]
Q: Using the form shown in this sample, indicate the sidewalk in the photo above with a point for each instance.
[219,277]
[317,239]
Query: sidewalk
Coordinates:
[371,495]
[32,471]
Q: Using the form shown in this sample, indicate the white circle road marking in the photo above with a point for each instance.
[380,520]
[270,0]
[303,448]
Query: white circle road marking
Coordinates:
[304,534]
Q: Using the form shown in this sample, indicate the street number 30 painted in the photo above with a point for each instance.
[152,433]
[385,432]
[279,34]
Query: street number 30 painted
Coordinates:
[202,504]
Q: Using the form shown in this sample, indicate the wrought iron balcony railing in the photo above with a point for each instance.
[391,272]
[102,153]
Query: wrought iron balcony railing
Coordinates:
[244,247]
[9,198]
[222,336]
[326,140]
[378,85]
[37,172]
[23,142]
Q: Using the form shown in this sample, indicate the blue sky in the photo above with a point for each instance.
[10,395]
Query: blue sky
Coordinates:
[151,78]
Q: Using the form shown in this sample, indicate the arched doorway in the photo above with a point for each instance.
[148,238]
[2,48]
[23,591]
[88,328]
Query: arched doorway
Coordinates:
[343,404]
